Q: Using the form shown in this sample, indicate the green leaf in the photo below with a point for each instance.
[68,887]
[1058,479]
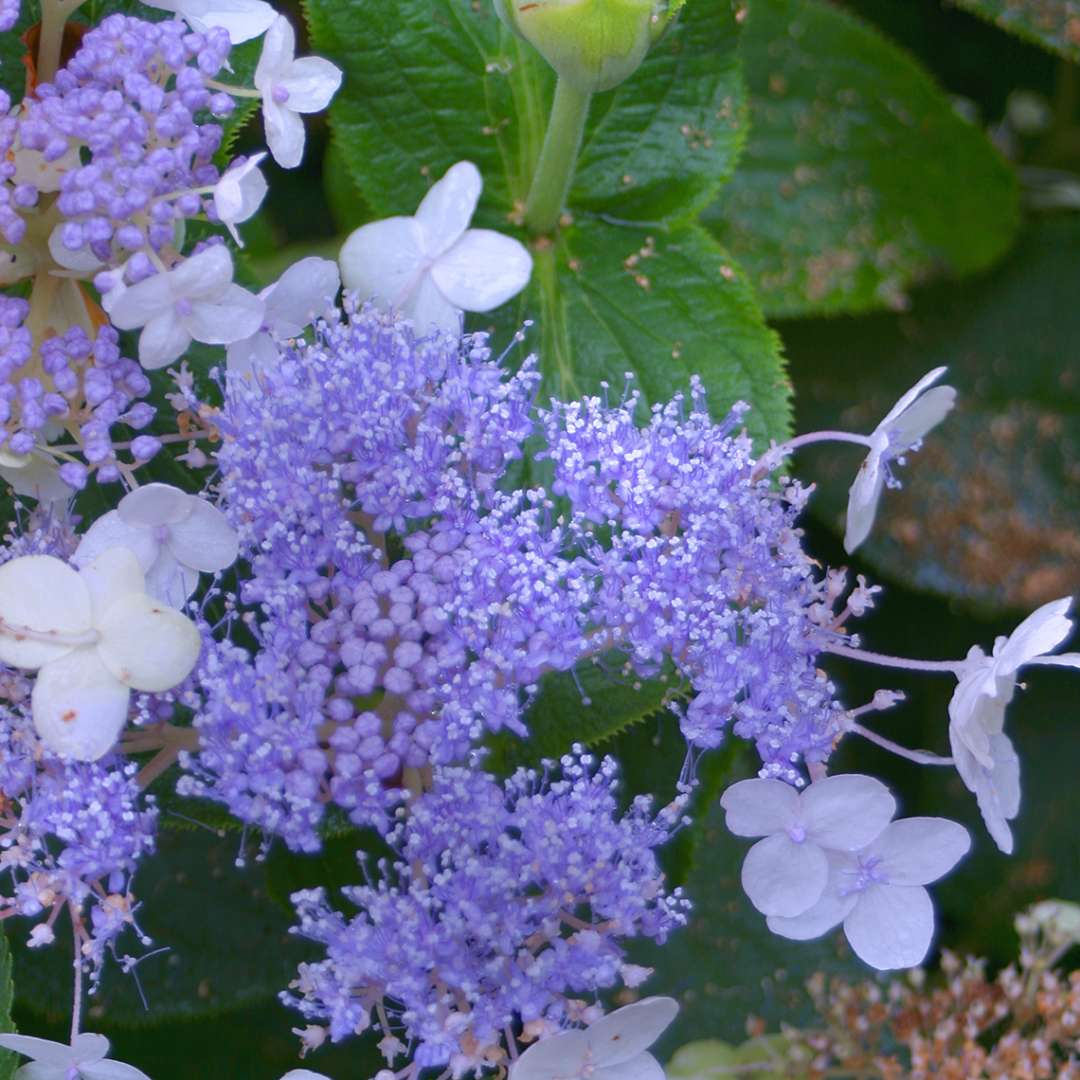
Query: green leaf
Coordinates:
[228,942]
[1053,24]
[990,508]
[663,306]
[859,177]
[429,82]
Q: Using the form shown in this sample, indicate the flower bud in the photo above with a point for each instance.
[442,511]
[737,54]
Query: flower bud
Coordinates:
[592,44]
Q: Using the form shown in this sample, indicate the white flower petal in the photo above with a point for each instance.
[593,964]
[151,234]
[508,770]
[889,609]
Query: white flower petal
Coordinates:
[301,294]
[38,478]
[112,574]
[909,397]
[431,312]
[846,812]
[234,315]
[922,417]
[132,306]
[384,261]
[240,192]
[44,1050]
[310,83]
[147,645]
[863,497]
[251,354]
[109,531]
[89,1047]
[1070,660]
[43,594]
[918,850]
[828,912]
[204,275]
[891,926]
[204,540]
[448,207]
[163,340]
[82,260]
[482,270]
[169,581]
[111,1070]
[79,707]
[565,1054]
[284,133]
[278,51]
[242,20]
[759,807]
[155,504]
[627,1032]
[304,1074]
[643,1067]
[1044,629]
[784,878]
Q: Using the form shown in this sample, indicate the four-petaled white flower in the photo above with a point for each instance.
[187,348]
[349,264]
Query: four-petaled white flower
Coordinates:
[290,87]
[175,537]
[84,1059]
[878,893]
[786,873]
[196,300]
[93,635]
[239,193]
[910,419]
[613,1048]
[302,293]
[242,19]
[984,754]
[431,267]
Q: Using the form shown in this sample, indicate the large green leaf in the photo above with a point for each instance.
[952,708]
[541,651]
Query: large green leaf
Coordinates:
[662,306]
[429,82]
[859,177]
[990,508]
[1053,24]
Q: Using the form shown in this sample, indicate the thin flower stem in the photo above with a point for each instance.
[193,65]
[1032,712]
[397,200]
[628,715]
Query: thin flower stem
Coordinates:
[939,667]
[558,158]
[54,16]
[76,960]
[920,757]
[775,454]
[235,91]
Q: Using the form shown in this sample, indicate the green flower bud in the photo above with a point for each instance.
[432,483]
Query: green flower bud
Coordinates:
[592,44]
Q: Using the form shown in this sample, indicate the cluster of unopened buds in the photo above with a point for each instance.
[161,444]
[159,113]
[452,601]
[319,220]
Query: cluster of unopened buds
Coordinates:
[344,595]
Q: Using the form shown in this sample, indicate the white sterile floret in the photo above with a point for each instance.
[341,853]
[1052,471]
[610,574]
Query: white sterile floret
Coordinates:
[93,636]
[432,267]
[83,1059]
[195,301]
[613,1048]
[239,194]
[241,19]
[174,535]
[878,893]
[304,1074]
[903,429]
[984,754]
[786,873]
[35,475]
[290,87]
[298,297]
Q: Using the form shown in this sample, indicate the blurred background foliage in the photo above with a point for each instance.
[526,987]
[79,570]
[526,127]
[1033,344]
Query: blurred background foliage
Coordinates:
[907,196]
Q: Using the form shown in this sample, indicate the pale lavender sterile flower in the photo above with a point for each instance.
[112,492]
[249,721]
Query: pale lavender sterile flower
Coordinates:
[878,893]
[615,1047]
[432,267]
[984,754]
[242,20]
[290,87]
[135,97]
[786,873]
[303,292]
[197,300]
[239,194]
[903,429]
[174,535]
[83,1059]
[503,902]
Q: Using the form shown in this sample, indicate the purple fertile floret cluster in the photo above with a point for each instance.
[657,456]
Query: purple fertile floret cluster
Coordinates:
[502,903]
[135,96]
[9,14]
